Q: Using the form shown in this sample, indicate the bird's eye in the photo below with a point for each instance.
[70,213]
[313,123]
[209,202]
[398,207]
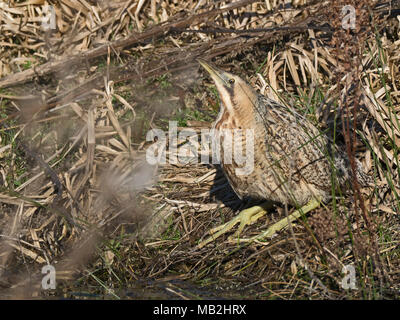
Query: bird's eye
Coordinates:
[231,81]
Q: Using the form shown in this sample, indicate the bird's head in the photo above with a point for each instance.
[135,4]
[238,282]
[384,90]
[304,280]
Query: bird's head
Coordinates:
[236,94]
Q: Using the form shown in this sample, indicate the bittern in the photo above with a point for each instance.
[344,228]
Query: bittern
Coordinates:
[294,162]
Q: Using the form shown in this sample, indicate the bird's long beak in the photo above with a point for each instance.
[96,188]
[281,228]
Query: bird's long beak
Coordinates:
[216,74]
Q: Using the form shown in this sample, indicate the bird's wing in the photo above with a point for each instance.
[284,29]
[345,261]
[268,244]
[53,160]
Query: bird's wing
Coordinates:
[295,146]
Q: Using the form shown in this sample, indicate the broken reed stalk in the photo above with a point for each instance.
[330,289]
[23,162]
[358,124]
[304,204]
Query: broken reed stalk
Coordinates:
[350,44]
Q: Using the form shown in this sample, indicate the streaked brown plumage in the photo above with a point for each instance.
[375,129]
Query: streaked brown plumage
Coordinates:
[294,162]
